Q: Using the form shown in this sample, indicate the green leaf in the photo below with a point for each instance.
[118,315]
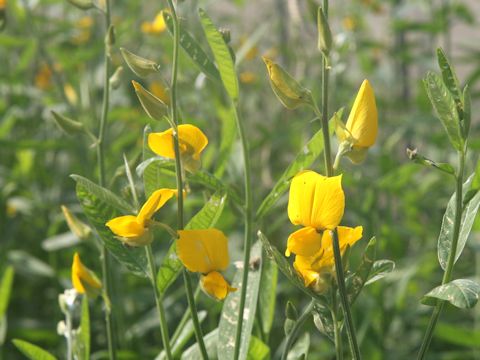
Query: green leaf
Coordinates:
[450,79]
[222,55]
[445,107]
[206,218]
[380,269]
[33,352]
[323,321]
[193,352]
[268,294]
[228,320]
[304,159]
[285,267]
[84,336]
[300,349]
[462,293]
[457,335]
[194,50]
[227,137]
[6,289]
[104,194]
[356,281]
[467,111]
[257,349]
[468,217]
[98,211]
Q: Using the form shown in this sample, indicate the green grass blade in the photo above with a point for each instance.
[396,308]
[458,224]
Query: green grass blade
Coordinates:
[32,352]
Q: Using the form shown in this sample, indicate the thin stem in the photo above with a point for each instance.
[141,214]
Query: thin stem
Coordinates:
[296,328]
[158,302]
[178,170]
[451,257]
[184,319]
[104,255]
[352,339]
[336,327]
[68,323]
[248,228]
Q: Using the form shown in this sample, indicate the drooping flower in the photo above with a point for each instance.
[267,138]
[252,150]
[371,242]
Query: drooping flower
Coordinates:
[84,280]
[360,131]
[192,141]
[157,26]
[134,230]
[317,203]
[206,252]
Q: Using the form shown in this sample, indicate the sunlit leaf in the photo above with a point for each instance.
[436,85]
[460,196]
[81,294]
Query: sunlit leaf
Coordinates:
[380,269]
[6,289]
[267,297]
[32,352]
[462,293]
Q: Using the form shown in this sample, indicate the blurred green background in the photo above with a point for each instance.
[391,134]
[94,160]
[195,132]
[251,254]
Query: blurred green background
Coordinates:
[51,58]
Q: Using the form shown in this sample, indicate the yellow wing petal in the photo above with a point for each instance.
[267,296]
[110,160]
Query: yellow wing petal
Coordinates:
[215,285]
[203,250]
[347,236]
[162,143]
[84,279]
[363,119]
[194,138]
[305,242]
[126,226]
[303,266]
[154,203]
[316,200]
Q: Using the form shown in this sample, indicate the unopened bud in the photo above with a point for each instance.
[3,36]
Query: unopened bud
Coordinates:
[116,78]
[226,35]
[153,106]
[69,126]
[290,311]
[324,33]
[140,66]
[75,225]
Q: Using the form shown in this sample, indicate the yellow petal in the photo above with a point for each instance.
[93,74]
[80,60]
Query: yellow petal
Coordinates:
[303,267]
[203,250]
[192,141]
[159,23]
[316,201]
[306,242]
[126,226]
[83,279]
[215,285]
[363,119]
[154,203]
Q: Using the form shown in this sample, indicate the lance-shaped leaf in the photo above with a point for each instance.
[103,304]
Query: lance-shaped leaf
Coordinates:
[445,237]
[268,291]
[222,55]
[6,289]
[444,104]
[300,349]
[140,66]
[467,111]
[380,269]
[356,281]
[32,352]
[206,218]
[462,293]
[323,321]
[228,320]
[450,80]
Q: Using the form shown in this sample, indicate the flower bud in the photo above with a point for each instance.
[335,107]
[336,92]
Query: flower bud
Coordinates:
[291,311]
[115,79]
[153,106]
[324,33]
[140,66]
[82,4]
[69,126]
[76,226]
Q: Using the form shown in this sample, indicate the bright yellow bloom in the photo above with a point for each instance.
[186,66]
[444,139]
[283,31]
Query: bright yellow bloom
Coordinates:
[191,140]
[206,251]
[134,230]
[157,26]
[316,201]
[83,279]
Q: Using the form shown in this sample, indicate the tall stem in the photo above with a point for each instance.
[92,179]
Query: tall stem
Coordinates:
[296,328]
[335,243]
[248,228]
[104,255]
[69,335]
[158,302]
[178,170]
[336,328]
[447,276]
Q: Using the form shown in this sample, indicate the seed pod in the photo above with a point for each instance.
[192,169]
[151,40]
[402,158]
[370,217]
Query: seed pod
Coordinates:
[71,127]
[140,66]
[115,79]
[153,106]
[324,33]
[82,4]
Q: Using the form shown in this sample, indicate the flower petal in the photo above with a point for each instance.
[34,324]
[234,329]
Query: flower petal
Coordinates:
[126,226]
[203,250]
[162,143]
[154,203]
[215,285]
[316,201]
[306,242]
[302,265]
[363,119]
[83,279]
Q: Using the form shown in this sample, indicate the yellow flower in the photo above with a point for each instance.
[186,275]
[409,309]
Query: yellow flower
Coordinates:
[191,139]
[3,4]
[248,77]
[83,279]
[43,78]
[157,26]
[361,129]
[313,265]
[134,230]
[206,251]
[71,94]
[349,23]
[161,91]
[316,201]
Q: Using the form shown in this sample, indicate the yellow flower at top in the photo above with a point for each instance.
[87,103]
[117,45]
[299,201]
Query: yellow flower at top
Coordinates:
[134,230]
[317,203]
[157,26]
[360,131]
[3,4]
[192,141]
[83,279]
[206,252]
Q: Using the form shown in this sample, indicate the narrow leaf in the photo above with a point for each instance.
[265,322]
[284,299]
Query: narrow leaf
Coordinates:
[462,293]
[222,55]
[268,297]
[210,340]
[300,349]
[356,281]
[32,352]
[450,79]
[380,269]
[6,289]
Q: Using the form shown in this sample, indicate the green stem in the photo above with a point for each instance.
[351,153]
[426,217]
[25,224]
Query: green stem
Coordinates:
[68,323]
[178,170]
[104,255]
[336,327]
[158,302]
[296,328]
[184,319]
[447,276]
[248,228]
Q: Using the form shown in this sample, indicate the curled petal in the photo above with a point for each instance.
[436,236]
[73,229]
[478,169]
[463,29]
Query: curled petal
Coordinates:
[316,201]
[126,226]
[83,279]
[215,285]
[154,203]
[203,251]
[306,242]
